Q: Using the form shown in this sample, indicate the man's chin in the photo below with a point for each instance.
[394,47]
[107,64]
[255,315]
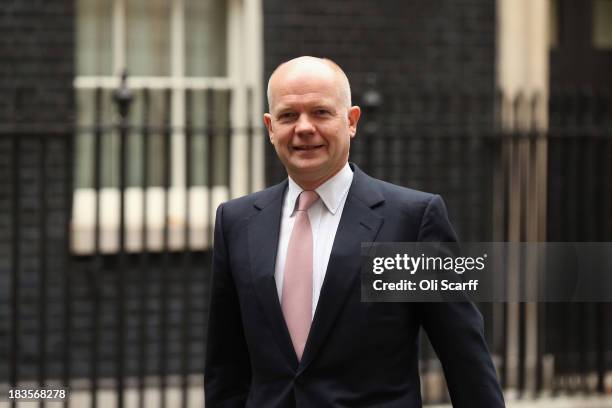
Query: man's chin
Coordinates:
[306,172]
[308,165]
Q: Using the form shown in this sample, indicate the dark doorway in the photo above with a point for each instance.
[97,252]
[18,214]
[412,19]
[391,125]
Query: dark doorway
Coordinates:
[581,51]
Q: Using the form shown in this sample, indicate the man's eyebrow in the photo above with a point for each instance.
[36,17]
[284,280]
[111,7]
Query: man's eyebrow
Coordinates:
[282,109]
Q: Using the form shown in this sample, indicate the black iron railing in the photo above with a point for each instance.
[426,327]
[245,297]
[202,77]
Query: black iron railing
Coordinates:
[133,316]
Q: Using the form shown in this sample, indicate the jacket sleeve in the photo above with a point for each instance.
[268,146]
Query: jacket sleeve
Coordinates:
[227,370]
[456,331]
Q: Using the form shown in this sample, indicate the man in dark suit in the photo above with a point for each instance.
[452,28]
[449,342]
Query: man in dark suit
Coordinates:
[287,327]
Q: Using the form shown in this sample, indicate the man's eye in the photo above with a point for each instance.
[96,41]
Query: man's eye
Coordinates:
[321,112]
[286,116]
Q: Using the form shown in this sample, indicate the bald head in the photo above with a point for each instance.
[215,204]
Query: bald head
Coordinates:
[310,65]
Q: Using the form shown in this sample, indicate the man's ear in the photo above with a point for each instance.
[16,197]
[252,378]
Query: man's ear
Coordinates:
[354,113]
[268,122]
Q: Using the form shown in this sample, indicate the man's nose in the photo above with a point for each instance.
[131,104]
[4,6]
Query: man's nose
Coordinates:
[304,125]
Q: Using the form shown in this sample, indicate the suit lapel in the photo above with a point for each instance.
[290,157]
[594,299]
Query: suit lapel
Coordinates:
[263,233]
[359,223]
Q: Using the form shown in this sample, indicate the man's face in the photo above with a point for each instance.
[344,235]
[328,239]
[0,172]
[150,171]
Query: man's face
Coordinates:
[310,124]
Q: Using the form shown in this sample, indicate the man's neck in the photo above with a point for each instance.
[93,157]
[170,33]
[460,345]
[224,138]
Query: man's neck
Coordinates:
[311,185]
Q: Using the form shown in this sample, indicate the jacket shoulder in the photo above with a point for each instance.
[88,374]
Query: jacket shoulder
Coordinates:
[394,193]
[245,206]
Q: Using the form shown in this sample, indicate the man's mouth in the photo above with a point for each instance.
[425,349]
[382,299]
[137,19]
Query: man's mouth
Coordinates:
[306,148]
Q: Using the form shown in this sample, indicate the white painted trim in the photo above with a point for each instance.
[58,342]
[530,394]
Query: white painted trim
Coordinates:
[245,42]
[254,28]
[523,68]
[177,29]
[152,82]
[83,218]
[236,40]
[522,46]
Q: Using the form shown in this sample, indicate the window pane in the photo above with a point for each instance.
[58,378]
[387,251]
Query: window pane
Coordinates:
[94,37]
[158,111]
[86,128]
[205,37]
[148,37]
[84,139]
[602,24]
[109,152]
[210,118]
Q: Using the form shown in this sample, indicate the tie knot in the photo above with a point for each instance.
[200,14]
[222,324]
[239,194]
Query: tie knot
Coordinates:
[307,199]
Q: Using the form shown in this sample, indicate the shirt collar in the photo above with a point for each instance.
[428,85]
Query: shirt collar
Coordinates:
[331,192]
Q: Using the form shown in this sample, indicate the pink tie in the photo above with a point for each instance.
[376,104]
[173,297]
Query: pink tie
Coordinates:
[297,282]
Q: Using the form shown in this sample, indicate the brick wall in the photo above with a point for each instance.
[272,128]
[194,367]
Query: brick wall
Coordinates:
[36,69]
[440,44]
[33,219]
[434,64]
[36,74]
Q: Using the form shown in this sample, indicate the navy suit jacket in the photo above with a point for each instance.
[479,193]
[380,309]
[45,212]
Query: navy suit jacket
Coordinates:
[357,354]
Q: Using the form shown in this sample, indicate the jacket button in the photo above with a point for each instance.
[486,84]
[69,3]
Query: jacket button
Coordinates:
[299,380]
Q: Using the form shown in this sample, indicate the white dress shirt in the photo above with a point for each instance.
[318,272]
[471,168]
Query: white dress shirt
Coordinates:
[324,218]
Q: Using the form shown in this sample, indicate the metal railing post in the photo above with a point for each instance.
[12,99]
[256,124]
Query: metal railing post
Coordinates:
[122,98]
